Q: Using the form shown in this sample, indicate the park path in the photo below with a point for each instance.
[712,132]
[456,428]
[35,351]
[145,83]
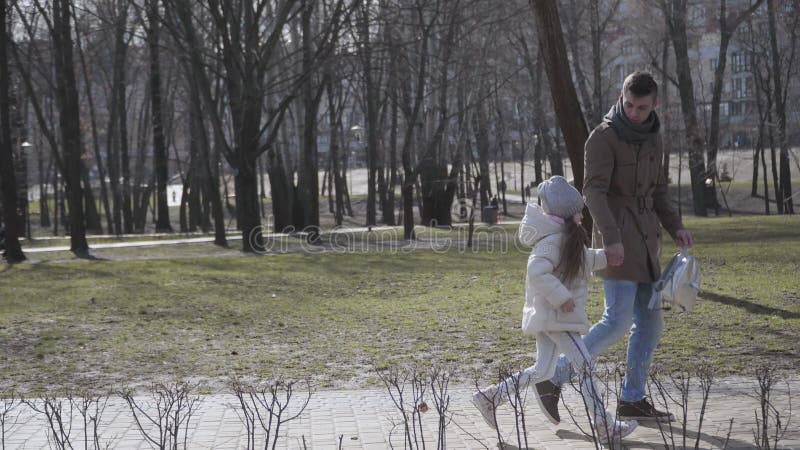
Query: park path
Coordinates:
[366,419]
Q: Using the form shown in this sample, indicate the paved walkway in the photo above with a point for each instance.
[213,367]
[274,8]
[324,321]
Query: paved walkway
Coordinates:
[367,419]
[231,235]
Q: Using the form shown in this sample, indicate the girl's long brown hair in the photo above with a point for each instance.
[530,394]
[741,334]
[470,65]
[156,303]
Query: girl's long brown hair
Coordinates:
[573,256]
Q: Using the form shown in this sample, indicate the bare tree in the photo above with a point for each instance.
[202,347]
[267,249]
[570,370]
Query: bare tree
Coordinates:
[164,418]
[60,25]
[90,99]
[728,24]
[153,29]
[565,99]
[438,182]
[8,418]
[269,406]
[365,51]
[771,422]
[675,16]
[784,191]
[317,43]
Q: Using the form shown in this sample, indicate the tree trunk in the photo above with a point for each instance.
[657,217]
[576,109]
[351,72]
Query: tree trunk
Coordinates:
[119,115]
[573,25]
[282,192]
[554,154]
[212,190]
[44,208]
[727,27]
[565,99]
[522,183]
[676,18]
[766,180]
[438,186]
[93,224]
[481,131]
[595,34]
[534,68]
[160,162]
[141,188]
[371,101]
[784,198]
[390,218]
[182,219]
[56,200]
[754,181]
[665,98]
[761,88]
[8,183]
[69,122]
[308,180]
[335,119]
[101,169]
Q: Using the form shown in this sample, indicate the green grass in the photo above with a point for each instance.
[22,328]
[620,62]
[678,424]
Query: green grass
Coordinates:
[334,316]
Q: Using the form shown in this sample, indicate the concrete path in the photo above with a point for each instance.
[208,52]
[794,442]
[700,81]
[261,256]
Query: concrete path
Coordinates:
[231,235]
[368,419]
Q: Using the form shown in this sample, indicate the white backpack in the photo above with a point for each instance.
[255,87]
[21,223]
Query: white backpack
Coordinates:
[679,283]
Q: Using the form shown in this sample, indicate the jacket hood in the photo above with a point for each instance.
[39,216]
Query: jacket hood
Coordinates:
[536,225]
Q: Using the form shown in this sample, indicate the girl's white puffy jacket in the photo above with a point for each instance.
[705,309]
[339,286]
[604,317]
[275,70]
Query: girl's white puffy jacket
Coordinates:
[544,290]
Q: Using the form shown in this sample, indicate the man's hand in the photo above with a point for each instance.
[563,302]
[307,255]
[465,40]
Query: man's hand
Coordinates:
[568,306]
[683,239]
[615,254]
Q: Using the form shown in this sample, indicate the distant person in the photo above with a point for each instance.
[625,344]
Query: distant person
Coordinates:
[495,203]
[626,192]
[555,303]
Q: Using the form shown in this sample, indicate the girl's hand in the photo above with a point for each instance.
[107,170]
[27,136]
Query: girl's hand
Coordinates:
[568,306]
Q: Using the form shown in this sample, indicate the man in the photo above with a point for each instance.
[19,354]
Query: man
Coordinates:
[626,192]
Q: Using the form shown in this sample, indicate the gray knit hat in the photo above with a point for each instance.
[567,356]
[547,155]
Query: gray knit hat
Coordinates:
[559,198]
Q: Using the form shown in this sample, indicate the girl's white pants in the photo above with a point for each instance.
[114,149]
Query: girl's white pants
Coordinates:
[549,345]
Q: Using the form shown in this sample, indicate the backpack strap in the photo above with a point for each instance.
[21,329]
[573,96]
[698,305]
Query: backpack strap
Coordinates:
[666,276]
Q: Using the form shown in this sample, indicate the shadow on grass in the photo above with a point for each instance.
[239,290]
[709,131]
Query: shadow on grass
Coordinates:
[86,256]
[748,306]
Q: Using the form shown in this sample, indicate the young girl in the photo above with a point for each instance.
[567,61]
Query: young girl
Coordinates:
[555,301]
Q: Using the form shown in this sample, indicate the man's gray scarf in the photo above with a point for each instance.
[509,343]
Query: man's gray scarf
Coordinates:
[632,133]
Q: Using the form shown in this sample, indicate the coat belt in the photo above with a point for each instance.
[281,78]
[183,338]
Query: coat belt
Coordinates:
[640,202]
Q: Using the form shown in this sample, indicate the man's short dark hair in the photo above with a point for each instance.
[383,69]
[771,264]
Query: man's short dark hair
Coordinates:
[640,84]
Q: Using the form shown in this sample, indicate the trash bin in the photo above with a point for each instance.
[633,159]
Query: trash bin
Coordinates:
[490,215]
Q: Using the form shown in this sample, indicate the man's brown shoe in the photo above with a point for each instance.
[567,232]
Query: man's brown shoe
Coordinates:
[548,396]
[642,410]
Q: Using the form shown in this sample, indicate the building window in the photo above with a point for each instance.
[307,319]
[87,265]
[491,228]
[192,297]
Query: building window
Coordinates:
[738,87]
[740,62]
[736,108]
[627,48]
[712,64]
[698,14]
[723,109]
[744,34]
